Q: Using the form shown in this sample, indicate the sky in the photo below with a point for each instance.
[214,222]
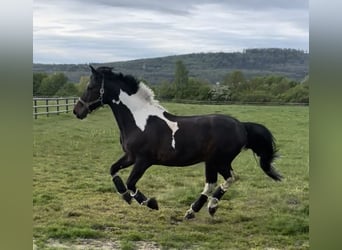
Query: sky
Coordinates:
[88,31]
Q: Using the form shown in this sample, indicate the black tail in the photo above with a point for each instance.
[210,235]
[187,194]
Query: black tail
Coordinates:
[261,141]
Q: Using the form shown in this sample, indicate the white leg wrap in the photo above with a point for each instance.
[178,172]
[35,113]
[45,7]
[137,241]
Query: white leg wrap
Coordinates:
[225,185]
[232,174]
[133,194]
[209,188]
[190,214]
[126,192]
[213,202]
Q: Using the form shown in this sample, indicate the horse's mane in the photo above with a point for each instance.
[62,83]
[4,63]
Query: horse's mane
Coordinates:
[132,84]
[147,94]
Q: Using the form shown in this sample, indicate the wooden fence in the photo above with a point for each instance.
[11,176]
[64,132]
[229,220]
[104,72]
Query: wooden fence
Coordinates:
[52,105]
[55,105]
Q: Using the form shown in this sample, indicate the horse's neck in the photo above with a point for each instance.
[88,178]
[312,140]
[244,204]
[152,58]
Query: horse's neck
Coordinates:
[124,120]
[132,111]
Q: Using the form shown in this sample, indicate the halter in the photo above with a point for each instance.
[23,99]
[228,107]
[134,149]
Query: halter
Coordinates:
[100,99]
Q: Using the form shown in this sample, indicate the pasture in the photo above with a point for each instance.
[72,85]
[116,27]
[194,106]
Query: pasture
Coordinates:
[74,198]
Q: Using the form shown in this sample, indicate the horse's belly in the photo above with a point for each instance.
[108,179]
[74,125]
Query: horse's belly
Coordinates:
[180,157]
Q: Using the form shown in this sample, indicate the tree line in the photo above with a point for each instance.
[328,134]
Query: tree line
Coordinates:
[234,87]
[56,84]
[211,67]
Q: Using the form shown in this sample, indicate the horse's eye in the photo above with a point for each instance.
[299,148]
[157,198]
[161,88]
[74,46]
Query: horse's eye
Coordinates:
[90,87]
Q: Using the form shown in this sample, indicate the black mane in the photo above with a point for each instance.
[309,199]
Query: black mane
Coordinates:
[104,69]
[131,83]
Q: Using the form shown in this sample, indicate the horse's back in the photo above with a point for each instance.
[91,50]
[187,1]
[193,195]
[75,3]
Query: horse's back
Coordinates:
[197,139]
[209,135]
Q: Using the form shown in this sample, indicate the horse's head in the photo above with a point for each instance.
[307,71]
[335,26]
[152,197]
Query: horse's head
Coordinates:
[96,93]
[93,96]
[103,88]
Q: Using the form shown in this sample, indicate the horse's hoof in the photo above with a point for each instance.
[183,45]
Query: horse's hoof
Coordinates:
[212,210]
[152,203]
[189,215]
[127,197]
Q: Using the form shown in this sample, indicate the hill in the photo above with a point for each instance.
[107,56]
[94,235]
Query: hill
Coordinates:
[212,67]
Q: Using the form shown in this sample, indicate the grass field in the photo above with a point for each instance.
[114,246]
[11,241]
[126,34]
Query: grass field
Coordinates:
[74,198]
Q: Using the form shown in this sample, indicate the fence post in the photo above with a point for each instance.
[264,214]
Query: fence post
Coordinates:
[47,107]
[66,105]
[57,101]
[35,109]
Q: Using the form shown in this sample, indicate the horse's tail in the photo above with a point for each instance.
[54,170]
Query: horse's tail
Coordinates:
[262,142]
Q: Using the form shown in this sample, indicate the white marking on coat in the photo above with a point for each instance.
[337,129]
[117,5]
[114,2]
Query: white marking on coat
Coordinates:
[116,102]
[142,105]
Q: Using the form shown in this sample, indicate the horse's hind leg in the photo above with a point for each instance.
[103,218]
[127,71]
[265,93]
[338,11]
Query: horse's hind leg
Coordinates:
[227,173]
[211,179]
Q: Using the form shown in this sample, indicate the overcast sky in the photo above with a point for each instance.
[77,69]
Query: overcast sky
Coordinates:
[84,31]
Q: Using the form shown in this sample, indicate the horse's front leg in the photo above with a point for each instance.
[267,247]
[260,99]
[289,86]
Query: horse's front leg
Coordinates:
[136,173]
[122,163]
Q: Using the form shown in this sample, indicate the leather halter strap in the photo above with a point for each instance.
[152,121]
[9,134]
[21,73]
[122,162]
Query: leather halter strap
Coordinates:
[100,99]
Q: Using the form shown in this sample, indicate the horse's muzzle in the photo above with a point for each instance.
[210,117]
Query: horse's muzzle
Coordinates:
[80,111]
[77,115]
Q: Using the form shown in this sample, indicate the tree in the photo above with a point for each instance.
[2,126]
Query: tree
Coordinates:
[236,83]
[82,85]
[236,77]
[196,90]
[166,91]
[37,80]
[299,93]
[280,87]
[220,93]
[181,78]
[68,89]
[235,80]
[51,84]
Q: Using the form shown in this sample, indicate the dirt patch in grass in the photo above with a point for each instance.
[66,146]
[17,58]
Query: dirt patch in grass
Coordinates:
[87,244]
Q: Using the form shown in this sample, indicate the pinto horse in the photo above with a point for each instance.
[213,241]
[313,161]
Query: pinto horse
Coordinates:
[150,135]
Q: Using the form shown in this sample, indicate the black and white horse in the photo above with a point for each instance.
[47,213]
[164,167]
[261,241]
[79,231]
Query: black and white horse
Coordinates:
[151,135]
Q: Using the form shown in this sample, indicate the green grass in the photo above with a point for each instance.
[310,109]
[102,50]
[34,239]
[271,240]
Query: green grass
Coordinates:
[74,198]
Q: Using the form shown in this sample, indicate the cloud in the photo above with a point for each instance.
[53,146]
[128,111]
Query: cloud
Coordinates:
[103,31]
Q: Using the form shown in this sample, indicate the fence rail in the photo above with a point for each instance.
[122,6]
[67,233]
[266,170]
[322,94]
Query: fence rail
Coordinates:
[52,105]
[56,105]
[213,102]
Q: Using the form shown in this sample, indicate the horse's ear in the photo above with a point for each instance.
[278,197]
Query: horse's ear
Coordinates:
[92,69]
